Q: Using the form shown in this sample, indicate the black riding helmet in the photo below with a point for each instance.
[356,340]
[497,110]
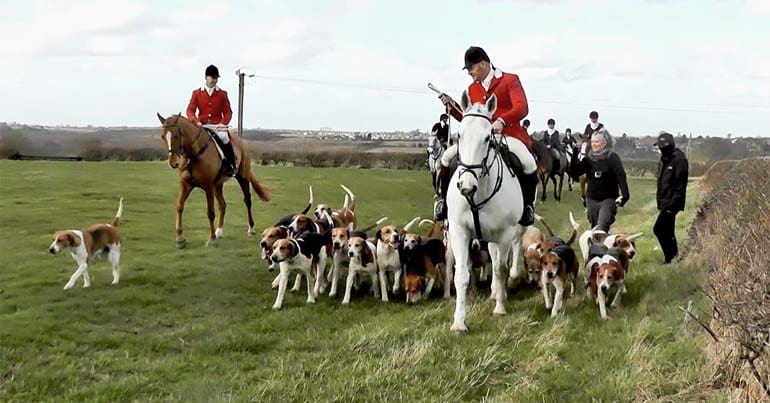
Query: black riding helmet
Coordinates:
[212,71]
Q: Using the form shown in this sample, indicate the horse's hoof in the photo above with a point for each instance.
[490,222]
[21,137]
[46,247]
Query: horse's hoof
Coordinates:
[219,233]
[458,327]
[251,231]
[499,310]
[211,242]
[181,243]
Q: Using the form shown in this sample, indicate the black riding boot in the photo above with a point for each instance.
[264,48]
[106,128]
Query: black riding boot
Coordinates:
[229,159]
[528,190]
[443,184]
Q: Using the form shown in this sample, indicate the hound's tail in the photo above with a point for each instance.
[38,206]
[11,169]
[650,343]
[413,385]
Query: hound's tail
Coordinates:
[375,225]
[262,192]
[349,193]
[586,240]
[545,225]
[116,220]
[309,202]
[575,227]
[433,227]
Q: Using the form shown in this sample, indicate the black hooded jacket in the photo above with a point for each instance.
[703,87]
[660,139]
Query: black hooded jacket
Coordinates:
[672,180]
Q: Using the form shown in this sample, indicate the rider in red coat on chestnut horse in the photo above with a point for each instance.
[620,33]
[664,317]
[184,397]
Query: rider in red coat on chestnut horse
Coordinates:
[213,108]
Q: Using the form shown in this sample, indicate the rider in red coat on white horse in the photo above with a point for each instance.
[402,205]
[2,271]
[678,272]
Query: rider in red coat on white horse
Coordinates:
[213,108]
[512,107]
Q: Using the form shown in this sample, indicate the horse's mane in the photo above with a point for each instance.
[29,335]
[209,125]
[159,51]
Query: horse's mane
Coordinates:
[176,119]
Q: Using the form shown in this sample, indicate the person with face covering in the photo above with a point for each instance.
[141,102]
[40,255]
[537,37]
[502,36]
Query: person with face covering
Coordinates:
[672,188]
[607,187]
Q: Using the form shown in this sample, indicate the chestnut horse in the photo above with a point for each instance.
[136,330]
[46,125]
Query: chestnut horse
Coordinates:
[193,152]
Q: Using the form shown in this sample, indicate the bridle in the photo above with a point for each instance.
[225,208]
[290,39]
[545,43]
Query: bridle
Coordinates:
[180,149]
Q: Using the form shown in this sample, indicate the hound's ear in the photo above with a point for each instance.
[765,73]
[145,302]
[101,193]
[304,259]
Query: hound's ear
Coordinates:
[161,118]
[492,104]
[377,235]
[465,101]
[73,240]
[620,274]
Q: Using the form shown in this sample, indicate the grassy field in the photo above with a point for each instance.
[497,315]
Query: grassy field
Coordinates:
[196,324]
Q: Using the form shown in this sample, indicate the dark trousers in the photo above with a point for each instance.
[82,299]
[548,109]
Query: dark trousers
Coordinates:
[664,231]
[601,213]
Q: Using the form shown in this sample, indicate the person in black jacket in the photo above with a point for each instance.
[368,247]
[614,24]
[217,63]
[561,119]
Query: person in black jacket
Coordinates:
[672,189]
[592,126]
[441,130]
[607,186]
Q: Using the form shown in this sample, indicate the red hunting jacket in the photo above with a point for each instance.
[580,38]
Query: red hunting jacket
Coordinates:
[214,109]
[512,104]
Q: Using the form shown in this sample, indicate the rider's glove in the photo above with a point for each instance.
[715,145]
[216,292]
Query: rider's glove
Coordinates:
[498,126]
[445,99]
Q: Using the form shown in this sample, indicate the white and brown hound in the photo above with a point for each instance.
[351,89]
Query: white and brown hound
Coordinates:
[88,243]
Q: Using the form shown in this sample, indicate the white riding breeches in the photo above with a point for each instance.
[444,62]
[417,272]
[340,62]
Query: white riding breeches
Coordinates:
[223,135]
[223,132]
[514,145]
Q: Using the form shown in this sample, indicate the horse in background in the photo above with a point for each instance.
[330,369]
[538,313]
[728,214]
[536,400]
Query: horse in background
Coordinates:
[547,170]
[570,149]
[584,146]
[435,150]
[193,151]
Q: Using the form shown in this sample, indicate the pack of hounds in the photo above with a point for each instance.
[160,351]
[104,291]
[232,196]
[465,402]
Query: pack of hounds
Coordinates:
[390,258]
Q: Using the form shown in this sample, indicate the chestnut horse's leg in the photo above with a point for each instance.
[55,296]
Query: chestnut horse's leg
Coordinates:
[221,207]
[184,192]
[210,214]
[244,183]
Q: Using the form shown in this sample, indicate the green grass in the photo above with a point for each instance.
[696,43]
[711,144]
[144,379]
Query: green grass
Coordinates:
[196,324]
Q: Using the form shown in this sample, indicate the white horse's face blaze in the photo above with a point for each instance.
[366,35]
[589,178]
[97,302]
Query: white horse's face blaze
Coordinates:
[475,136]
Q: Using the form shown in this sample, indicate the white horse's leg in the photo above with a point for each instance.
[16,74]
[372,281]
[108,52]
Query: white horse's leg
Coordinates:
[462,275]
[498,286]
[513,268]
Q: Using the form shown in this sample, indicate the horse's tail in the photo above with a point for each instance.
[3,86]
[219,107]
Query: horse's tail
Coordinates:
[547,228]
[118,214]
[261,191]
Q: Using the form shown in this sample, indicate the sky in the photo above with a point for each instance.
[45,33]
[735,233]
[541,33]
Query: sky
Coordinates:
[690,66]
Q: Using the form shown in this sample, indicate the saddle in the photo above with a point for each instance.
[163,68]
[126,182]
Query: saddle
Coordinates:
[511,161]
[221,147]
[217,141]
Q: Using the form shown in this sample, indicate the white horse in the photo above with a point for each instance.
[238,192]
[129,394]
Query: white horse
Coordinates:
[482,183]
